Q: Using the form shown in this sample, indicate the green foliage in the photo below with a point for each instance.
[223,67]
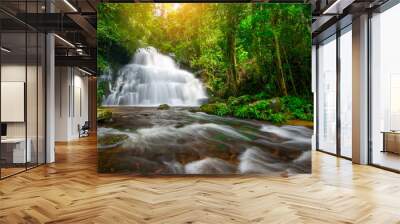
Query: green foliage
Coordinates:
[278,118]
[101,91]
[236,101]
[238,49]
[253,58]
[119,32]
[244,111]
[220,109]
[300,108]
[275,110]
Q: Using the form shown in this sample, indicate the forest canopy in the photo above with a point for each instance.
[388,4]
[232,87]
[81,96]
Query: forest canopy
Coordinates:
[255,51]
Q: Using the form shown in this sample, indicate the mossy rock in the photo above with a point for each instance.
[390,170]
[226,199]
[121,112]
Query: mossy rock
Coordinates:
[208,108]
[163,107]
[104,115]
[112,139]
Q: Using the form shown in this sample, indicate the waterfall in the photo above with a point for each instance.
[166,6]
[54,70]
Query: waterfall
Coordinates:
[153,79]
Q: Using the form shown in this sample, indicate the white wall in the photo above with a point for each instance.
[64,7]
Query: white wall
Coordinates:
[71,102]
[62,81]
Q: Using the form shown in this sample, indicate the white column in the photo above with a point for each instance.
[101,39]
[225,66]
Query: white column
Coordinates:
[50,94]
[360,90]
[62,103]
[314,91]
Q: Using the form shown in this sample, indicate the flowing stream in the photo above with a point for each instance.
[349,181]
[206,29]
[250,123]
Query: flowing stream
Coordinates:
[153,79]
[140,138]
[178,141]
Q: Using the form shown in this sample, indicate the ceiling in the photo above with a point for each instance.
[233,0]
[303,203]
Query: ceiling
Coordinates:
[74,21]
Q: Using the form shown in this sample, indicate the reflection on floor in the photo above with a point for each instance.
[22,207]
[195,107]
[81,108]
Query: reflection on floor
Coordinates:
[10,171]
[71,191]
[14,169]
[387,159]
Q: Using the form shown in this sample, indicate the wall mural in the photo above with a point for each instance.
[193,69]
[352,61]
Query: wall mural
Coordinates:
[204,88]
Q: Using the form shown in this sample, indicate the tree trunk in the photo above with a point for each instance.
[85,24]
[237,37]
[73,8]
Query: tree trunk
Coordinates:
[281,75]
[289,71]
[231,52]
[231,41]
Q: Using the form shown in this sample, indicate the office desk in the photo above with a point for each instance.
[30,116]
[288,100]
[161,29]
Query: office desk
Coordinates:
[15,148]
[391,141]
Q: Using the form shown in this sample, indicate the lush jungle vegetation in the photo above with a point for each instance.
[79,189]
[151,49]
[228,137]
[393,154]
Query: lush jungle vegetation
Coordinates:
[255,59]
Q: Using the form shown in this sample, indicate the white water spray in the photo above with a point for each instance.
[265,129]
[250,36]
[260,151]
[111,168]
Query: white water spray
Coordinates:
[153,79]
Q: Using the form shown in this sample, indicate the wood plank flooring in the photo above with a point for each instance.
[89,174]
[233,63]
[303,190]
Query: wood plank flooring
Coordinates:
[71,191]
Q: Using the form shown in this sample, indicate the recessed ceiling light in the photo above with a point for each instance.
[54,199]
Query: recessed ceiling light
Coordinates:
[337,7]
[86,72]
[5,50]
[70,5]
[65,41]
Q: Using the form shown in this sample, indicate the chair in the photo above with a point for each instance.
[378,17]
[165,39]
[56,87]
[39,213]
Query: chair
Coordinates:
[84,130]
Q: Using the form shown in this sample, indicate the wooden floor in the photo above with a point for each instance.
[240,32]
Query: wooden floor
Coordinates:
[71,191]
[387,159]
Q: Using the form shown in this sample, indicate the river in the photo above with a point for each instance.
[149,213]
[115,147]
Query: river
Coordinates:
[179,141]
[142,139]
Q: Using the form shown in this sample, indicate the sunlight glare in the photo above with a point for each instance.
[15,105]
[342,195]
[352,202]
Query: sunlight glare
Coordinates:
[176,6]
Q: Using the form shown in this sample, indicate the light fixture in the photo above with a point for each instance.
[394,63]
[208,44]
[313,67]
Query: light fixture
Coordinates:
[5,50]
[65,41]
[70,5]
[80,51]
[84,71]
[337,7]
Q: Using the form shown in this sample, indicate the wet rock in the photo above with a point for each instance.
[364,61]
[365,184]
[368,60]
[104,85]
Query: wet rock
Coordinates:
[104,115]
[203,101]
[163,107]
[111,141]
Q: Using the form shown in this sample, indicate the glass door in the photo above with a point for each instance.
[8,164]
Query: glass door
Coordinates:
[327,96]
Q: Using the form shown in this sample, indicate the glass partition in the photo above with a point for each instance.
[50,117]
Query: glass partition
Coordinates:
[346,92]
[327,95]
[14,153]
[385,89]
[22,77]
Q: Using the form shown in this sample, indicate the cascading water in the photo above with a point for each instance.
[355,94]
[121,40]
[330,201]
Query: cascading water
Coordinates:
[153,79]
[178,141]
[146,140]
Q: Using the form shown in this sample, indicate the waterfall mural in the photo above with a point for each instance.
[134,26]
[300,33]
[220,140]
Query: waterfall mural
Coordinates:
[153,79]
[204,88]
